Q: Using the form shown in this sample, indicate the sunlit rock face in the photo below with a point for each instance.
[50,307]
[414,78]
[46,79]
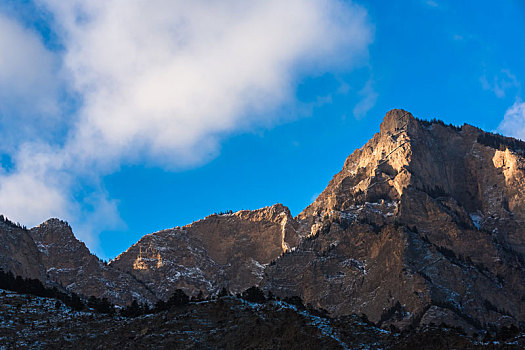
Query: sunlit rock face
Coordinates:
[423,224]
[221,251]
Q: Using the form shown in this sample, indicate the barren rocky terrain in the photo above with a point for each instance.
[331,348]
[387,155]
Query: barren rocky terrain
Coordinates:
[423,225]
[225,323]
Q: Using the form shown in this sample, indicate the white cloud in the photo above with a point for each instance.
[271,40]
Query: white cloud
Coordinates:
[24,195]
[164,81]
[513,123]
[45,184]
[368,100]
[169,78]
[28,85]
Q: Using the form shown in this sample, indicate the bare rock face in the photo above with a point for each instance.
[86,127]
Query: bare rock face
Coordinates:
[424,220]
[69,262]
[221,251]
[423,224]
[18,252]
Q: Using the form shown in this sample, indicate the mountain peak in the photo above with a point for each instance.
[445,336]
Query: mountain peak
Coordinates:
[55,222]
[54,230]
[397,119]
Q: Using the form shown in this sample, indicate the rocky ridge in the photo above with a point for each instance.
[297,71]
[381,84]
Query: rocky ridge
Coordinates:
[51,253]
[221,251]
[422,225]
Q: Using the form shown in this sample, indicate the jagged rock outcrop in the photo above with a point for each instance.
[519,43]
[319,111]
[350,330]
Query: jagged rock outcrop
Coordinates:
[422,224]
[221,251]
[69,262]
[18,252]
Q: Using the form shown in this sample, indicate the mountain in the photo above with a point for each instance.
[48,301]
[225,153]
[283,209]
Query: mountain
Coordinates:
[422,225]
[18,252]
[51,253]
[221,251]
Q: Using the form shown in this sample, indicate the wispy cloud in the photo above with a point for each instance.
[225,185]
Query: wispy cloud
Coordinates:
[431,3]
[368,100]
[513,123]
[500,83]
[160,82]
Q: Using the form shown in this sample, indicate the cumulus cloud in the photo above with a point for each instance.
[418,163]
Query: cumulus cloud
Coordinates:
[28,85]
[169,78]
[163,82]
[513,123]
[46,183]
[25,195]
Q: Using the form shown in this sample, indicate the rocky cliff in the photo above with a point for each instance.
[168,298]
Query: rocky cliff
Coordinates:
[18,252]
[51,253]
[69,262]
[221,251]
[422,225]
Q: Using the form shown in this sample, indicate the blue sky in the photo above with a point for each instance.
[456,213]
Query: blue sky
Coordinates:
[127,119]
